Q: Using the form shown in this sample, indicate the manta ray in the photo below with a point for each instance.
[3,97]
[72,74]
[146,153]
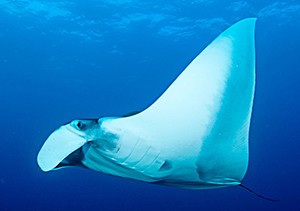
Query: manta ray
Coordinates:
[195,135]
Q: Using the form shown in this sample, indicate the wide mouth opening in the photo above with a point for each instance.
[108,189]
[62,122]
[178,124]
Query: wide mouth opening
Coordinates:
[75,158]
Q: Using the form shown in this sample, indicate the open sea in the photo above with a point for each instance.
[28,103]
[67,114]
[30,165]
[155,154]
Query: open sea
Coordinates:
[65,60]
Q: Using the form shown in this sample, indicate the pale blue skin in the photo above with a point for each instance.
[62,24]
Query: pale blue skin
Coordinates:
[194,136]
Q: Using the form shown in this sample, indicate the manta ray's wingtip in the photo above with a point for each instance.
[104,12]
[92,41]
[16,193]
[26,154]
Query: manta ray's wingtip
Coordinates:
[246,22]
[249,19]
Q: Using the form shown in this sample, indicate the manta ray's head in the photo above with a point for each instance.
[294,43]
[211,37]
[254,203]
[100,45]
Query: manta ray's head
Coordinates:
[67,145]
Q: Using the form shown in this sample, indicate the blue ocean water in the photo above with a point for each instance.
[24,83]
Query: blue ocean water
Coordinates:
[64,60]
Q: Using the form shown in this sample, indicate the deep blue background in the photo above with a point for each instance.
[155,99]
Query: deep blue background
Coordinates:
[63,60]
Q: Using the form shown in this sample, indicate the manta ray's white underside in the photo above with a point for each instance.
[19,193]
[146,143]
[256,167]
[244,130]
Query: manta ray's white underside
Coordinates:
[194,136]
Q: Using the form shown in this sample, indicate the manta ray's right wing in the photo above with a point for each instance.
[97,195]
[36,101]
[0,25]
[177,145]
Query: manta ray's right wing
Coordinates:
[203,119]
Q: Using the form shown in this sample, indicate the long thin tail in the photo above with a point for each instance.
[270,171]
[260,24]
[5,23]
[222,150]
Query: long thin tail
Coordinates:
[274,200]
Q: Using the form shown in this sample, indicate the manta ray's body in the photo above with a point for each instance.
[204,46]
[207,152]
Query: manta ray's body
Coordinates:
[194,136]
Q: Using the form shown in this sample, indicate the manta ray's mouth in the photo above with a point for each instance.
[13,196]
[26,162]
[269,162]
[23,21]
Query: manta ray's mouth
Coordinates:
[59,145]
[75,158]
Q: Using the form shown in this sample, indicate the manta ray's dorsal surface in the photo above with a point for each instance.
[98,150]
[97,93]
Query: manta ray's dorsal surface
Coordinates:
[194,136]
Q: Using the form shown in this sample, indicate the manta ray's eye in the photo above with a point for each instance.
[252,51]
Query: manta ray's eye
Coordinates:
[80,125]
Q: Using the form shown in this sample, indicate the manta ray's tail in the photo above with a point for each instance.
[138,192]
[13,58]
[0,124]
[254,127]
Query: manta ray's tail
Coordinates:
[274,200]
